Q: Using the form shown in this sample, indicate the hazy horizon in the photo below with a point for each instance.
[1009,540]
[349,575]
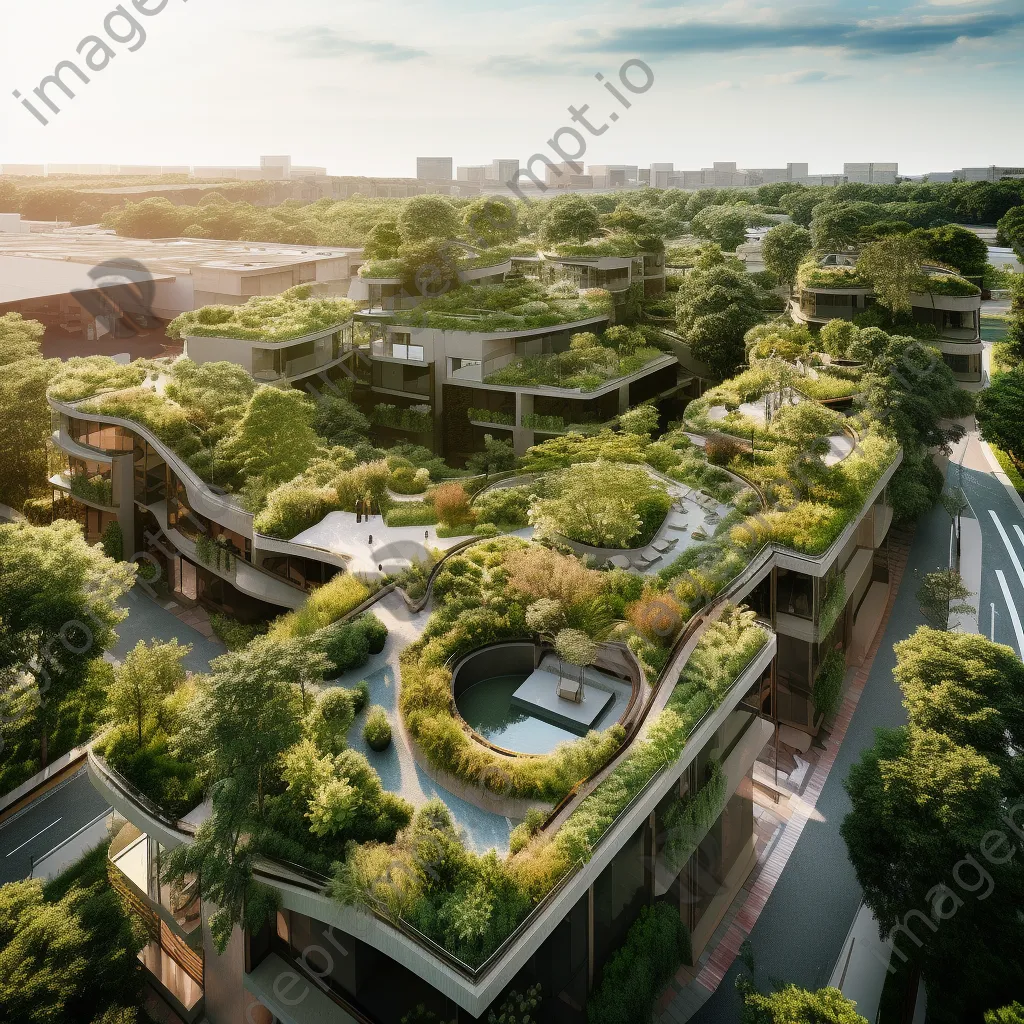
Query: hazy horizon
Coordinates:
[364,91]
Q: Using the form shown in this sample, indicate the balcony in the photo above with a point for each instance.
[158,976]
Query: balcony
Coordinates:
[400,352]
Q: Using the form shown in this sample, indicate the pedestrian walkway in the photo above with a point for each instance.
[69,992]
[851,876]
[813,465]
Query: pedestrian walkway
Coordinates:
[688,991]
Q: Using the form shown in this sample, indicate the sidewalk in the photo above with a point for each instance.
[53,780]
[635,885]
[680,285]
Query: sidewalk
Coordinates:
[687,993]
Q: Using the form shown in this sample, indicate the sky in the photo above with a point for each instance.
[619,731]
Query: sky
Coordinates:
[364,88]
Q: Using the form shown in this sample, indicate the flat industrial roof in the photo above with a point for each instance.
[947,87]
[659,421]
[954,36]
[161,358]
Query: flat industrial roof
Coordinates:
[26,278]
[93,246]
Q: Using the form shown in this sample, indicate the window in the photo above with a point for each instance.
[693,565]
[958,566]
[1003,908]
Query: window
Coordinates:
[465,369]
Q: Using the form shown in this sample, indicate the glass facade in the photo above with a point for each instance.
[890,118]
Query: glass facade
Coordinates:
[92,481]
[307,573]
[101,436]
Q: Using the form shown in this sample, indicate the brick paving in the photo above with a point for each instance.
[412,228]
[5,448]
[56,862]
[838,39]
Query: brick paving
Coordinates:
[686,994]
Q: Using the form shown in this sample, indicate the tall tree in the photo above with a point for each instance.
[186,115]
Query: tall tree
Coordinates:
[893,266]
[383,241]
[491,220]
[954,246]
[792,1005]
[726,226]
[570,218]
[1001,412]
[717,304]
[943,594]
[784,249]
[58,606]
[424,217]
[148,674]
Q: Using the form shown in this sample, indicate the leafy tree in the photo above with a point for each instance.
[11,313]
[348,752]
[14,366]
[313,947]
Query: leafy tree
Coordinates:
[490,220]
[954,246]
[927,800]
[726,226]
[642,420]
[836,225]
[943,594]
[152,218]
[25,424]
[383,241]
[58,605]
[432,266]
[67,950]
[274,439]
[338,421]
[893,265]
[1011,230]
[632,219]
[147,675]
[717,305]
[784,249]
[792,1005]
[424,217]
[1001,412]
[1013,1014]
[497,457]
[570,218]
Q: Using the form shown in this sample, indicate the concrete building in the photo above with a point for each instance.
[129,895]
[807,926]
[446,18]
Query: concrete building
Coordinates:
[872,174]
[659,175]
[180,274]
[504,171]
[434,168]
[12,224]
[945,302]
[992,173]
[614,175]
[478,174]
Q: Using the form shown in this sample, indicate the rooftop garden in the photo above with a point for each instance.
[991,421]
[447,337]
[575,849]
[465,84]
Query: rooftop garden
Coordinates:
[518,306]
[80,378]
[292,314]
[613,245]
[948,284]
[591,361]
[813,276]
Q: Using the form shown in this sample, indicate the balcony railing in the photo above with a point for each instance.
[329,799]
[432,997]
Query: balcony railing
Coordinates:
[392,350]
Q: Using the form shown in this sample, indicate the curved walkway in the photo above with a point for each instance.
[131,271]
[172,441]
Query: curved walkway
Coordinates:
[396,765]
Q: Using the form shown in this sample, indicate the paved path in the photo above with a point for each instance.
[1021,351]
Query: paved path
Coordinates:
[800,932]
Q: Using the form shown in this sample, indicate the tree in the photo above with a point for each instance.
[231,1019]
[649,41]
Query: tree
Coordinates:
[432,266]
[726,226]
[717,305]
[25,421]
[338,421]
[784,249]
[837,225]
[792,1005]
[152,218]
[570,218]
[1011,230]
[67,949]
[491,220]
[937,594]
[954,246]
[58,605]
[927,801]
[274,439]
[1013,1014]
[424,217]
[497,457]
[147,675]
[893,266]
[1001,412]
[383,241]
[642,420]
[632,219]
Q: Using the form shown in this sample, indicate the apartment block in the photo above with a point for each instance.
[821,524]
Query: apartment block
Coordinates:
[434,168]
[872,174]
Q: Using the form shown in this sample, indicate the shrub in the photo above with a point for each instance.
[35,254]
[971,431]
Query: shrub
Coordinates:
[451,503]
[721,450]
[506,507]
[233,633]
[411,513]
[113,541]
[376,632]
[346,646]
[325,605]
[377,730]
[656,945]
[409,480]
[641,420]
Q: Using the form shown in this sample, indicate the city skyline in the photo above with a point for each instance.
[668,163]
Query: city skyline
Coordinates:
[726,80]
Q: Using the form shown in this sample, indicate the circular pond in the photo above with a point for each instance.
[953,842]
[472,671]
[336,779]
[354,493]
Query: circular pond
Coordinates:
[486,706]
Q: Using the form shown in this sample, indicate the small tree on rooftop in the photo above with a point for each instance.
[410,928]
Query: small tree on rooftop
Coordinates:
[491,220]
[893,265]
[424,217]
[383,241]
[570,218]
[148,674]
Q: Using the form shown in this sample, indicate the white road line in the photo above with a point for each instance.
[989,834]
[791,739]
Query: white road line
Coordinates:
[1020,534]
[1017,627]
[36,836]
[1009,547]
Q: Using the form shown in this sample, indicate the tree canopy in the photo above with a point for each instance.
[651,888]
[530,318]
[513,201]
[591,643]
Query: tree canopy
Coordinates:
[424,217]
[570,218]
[1001,412]
[892,265]
[784,249]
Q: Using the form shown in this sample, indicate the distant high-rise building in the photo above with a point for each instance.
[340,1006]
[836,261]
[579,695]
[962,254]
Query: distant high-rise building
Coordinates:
[659,174]
[434,168]
[613,175]
[504,171]
[872,174]
[478,174]
[276,167]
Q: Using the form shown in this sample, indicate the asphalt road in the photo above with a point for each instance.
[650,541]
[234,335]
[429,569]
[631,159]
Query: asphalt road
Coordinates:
[800,933]
[47,822]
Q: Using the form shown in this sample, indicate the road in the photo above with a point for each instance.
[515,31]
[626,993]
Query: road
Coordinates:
[59,813]
[801,930]
[47,822]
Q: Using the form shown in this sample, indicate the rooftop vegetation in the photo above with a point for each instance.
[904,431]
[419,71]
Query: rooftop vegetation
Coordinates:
[613,245]
[590,362]
[515,306]
[948,284]
[82,377]
[292,314]
[813,276]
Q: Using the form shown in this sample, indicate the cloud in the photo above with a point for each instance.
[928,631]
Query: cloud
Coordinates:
[530,67]
[725,85]
[318,43]
[879,37]
[808,77]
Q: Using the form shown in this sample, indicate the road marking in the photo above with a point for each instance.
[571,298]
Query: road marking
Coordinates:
[36,836]
[1017,627]
[1020,534]
[1009,547]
